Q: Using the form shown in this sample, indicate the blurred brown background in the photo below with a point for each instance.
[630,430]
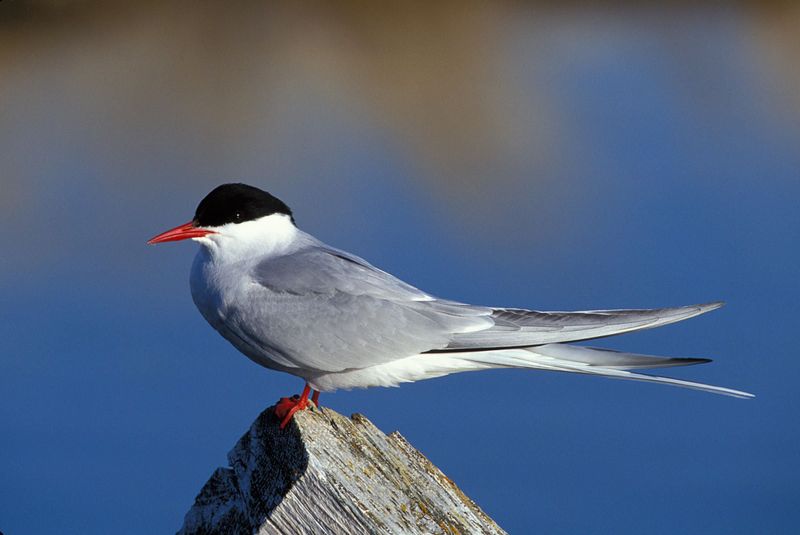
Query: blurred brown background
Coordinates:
[469,95]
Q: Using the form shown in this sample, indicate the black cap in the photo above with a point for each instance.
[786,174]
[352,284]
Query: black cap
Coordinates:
[237,203]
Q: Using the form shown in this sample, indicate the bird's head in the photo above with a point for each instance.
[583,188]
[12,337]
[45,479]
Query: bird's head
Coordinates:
[236,211]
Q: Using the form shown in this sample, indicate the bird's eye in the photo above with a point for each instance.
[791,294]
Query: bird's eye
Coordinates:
[238,216]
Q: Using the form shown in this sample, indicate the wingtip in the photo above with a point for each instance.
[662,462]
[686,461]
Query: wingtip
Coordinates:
[713,305]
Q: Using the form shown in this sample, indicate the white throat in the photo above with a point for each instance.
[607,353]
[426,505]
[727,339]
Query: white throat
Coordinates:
[271,235]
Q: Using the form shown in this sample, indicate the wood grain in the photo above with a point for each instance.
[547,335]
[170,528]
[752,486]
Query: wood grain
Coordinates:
[326,473]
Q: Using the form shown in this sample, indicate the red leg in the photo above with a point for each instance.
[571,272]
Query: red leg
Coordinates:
[315,398]
[286,407]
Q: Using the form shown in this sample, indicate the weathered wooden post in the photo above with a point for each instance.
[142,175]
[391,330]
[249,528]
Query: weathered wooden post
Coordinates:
[326,473]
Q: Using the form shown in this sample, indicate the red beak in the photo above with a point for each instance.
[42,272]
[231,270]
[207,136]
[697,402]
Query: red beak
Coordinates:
[183,232]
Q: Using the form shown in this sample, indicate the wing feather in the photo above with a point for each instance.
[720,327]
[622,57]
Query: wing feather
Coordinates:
[524,328]
[359,315]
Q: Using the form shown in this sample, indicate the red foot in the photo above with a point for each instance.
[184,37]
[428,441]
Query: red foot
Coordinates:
[286,407]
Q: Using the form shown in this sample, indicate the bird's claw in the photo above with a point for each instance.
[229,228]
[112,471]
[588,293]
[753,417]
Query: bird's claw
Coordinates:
[286,407]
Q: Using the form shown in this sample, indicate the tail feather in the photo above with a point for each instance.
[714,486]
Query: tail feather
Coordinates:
[592,361]
[612,359]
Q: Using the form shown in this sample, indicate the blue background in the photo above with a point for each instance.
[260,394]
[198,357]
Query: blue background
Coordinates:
[645,165]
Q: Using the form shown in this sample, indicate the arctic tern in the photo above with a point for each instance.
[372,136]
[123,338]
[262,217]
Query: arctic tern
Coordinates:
[294,304]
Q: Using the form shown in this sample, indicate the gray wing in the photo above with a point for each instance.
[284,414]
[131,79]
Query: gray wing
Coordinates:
[325,309]
[524,328]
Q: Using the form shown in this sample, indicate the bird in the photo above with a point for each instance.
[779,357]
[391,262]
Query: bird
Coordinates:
[291,303]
